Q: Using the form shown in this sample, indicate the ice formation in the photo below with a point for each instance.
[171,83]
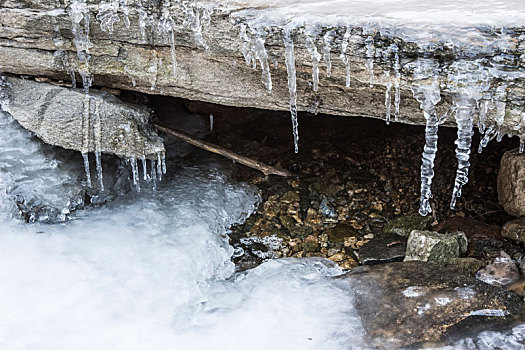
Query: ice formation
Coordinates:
[325,25]
[427,92]
[292,84]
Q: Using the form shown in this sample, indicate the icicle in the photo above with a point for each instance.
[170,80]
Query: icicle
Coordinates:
[154,175]
[211,122]
[194,18]
[135,173]
[344,57]
[327,47]
[427,93]
[388,97]
[262,56]
[97,131]
[292,84]
[98,161]
[165,28]
[469,81]
[78,12]
[494,130]
[370,52]
[483,109]
[86,168]
[85,124]
[465,125]
[163,161]
[397,81]
[316,58]
[144,167]
[125,12]
[159,166]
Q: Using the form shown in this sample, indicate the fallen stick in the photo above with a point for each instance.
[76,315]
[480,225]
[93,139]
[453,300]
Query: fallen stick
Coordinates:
[254,164]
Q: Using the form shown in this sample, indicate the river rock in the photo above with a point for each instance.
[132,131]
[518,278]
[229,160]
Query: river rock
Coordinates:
[92,122]
[511,188]
[383,248]
[406,303]
[503,271]
[514,230]
[404,224]
[435,247]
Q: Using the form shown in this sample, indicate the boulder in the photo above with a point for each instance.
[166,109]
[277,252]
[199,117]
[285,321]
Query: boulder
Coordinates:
[72,119]
[407,303]
[435,247]
[511,188]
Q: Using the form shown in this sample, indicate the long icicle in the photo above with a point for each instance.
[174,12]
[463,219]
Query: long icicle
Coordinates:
[85,136]
[292,84]
[97,131]
[465,125]
[427,93]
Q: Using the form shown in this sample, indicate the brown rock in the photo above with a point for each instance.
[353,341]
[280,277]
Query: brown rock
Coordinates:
[511,187]
[514,230]
[402,304]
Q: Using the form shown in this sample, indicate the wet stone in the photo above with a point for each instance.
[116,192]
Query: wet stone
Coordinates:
[514,230]
[310,244]
[403,225]
[435,247]
[408,303]
[511,193]
[465,266]
[384,248]
[503,271]
[340,232]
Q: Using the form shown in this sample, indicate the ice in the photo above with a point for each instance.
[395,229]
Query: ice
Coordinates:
[143,161]
[397,81]
[195,17]
[326,49]
[344,56]
[165,28]
[79,12]
[152,270]
[253,49]
[370,52]
[292,84]
[427,92]
[135,173]
[262,56]
[154,69]
[388,95]
[86,169]
[464,121]
[468,80]
[97,131]
[494,130]
[159,166]
[316,58]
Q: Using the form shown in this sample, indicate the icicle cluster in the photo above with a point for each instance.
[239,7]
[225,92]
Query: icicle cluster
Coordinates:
[469,82]
[108,11]
[253,50]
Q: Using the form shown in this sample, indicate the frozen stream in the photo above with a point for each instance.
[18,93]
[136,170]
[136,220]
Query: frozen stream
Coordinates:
[153,271]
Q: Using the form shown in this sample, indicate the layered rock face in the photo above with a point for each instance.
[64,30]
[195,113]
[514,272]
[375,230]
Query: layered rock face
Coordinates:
[450,63]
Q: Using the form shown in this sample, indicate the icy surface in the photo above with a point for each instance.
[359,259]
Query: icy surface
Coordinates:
[152,270]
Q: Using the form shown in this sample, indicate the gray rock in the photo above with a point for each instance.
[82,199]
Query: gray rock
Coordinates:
[511,188]
[73,120]
[503,271]
[210,64]
[402,304]
[514,230]
[435,247]
[465,266]
[383,248]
